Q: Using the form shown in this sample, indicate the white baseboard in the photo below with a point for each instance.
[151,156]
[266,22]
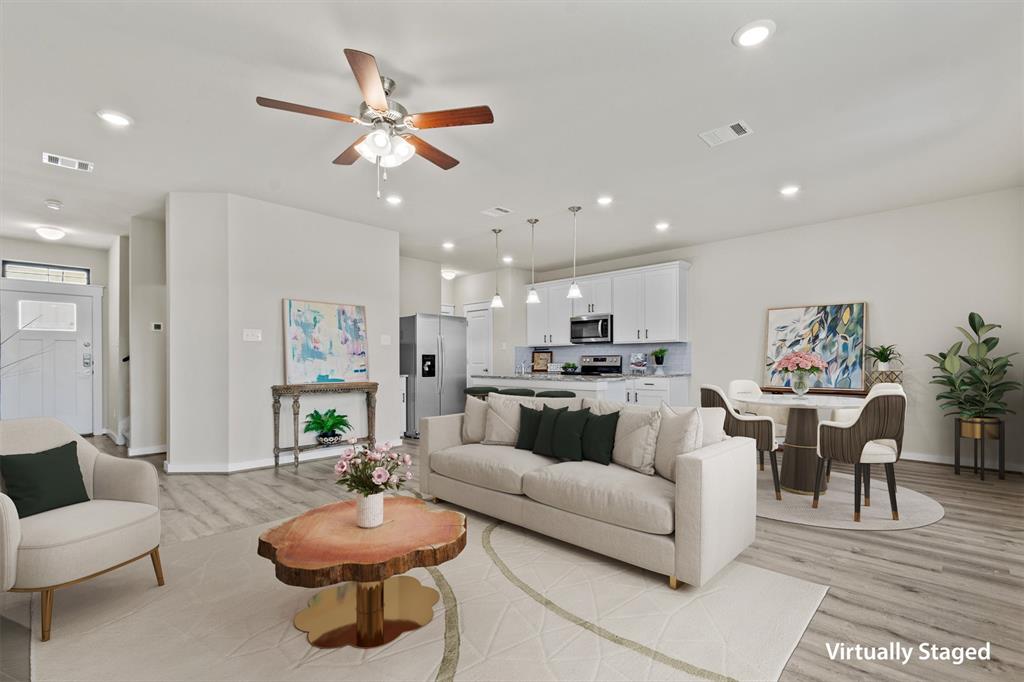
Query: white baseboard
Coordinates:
[148,450]
[991,459]
[116,437]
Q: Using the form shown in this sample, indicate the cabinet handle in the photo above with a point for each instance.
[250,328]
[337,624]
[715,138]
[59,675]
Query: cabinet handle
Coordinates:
[638,333]
[645,333]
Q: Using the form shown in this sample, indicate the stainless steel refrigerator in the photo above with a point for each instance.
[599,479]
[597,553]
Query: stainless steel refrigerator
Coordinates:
[432,351]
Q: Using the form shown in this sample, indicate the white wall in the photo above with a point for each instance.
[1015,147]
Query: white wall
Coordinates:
[921,270]
[235,257]
[147,292]
[509,323]
[117,337]
[420,282]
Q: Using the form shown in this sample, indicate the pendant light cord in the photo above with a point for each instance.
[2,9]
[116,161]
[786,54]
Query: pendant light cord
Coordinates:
[574,210]
[497,260]
[533,267]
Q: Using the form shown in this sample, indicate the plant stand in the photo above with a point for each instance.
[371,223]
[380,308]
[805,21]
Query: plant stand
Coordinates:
[888,376]
[979,433]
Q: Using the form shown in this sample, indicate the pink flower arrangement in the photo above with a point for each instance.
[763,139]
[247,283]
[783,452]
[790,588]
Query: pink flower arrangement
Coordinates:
[801,361]
[368,471]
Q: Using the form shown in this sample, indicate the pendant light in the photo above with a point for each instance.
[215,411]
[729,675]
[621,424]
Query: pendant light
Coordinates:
[574,289]
[496,301]
[532,296]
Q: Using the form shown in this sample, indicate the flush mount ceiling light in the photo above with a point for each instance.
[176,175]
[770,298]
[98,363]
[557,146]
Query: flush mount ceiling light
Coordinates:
[447,246]
[394,199]
[54,204]
[661,227]
[754,33]
[531,295]
[51,233]
[115,118]
[789,190]
[574,289]
[496,302]
[604,201]
[449,274]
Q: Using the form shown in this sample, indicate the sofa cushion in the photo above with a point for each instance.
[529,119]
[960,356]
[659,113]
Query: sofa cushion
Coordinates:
[529,422]
[567,441]
[496,467]
[545,443]
[599,437]
[612,494]
[713,424]
[681,431]
[636,433]
[503,415]
[46,480]
[474,421]
[81,539]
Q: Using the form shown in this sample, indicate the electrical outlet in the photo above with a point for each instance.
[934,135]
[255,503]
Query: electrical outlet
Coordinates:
[252,334]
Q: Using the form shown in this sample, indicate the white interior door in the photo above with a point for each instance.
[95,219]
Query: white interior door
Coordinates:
[478,338]
[47,358]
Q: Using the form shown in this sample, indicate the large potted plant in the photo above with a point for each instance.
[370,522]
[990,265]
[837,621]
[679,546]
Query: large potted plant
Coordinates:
[328,426]
[974,382]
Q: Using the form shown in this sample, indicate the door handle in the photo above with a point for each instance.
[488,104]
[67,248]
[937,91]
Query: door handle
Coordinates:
[440,365]
[86,360]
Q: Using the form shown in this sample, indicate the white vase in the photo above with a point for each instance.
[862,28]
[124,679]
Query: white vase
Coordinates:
[370,510]
[883,366]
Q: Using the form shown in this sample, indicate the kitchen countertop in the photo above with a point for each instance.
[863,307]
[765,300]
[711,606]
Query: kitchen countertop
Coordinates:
[544,376]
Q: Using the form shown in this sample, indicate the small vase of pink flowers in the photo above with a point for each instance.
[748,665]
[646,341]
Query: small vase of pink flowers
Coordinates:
[801,367]
[370,471]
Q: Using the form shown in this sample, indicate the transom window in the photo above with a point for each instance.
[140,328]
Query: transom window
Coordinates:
[41,272]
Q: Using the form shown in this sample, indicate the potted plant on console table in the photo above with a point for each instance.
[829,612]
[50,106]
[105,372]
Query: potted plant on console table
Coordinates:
[327,426]
[369,472]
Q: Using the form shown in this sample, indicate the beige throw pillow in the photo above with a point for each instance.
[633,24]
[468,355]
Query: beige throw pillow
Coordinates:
[681,431]
[473,420]
[714,425]
[502,426]
[636,434]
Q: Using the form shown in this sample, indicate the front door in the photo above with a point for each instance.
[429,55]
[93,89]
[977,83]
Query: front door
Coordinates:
[478,339]
[47,357]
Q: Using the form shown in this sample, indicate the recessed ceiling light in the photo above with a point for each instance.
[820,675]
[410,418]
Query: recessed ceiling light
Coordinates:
[447,246]
[449,274]
[604,201]
[393,199]
[506,259]
[51,233]
[661,227]
[54,204]
[754,33]
[115,118]
[789,190]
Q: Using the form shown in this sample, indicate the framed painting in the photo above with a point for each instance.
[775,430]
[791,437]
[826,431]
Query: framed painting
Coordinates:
[836,332]
[324,342]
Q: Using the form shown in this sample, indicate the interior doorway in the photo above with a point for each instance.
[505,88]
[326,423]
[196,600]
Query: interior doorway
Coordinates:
[478,338]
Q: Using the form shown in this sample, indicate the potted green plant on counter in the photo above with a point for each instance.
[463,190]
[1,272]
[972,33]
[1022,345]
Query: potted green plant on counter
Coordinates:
[569,368]
[974,383]
[659,359]
[328,426]
[884,356]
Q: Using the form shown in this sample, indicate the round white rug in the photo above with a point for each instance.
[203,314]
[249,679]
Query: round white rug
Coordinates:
[835,507]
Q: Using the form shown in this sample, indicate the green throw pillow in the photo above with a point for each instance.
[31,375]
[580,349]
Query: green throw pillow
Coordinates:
[566,443]
[44,480]
[546,431]
[529,421]
[599,437]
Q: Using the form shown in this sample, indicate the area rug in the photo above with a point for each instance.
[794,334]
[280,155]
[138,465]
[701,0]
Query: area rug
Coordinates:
[515,605]
[835,507]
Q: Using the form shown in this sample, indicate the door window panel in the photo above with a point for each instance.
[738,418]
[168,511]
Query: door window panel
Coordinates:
[47,316]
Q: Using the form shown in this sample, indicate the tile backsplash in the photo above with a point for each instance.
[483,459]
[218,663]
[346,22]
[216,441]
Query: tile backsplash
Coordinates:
[677,360]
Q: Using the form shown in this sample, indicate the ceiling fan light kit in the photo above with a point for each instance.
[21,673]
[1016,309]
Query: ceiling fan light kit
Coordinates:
[391,140]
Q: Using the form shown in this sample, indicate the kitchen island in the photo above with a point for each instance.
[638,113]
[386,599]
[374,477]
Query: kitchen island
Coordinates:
[639,389]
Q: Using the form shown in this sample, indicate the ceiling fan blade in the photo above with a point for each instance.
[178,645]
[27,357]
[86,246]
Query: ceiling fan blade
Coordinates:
[432,153]
[364,66]
[303,109]
[350,155]
[467,116]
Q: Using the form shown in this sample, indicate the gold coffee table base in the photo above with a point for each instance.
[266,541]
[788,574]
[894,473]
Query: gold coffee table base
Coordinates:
[366,614]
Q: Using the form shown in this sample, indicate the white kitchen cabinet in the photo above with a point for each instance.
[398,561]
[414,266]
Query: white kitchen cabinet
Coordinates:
[627,307]
[649,305]
[537,319]
[654,390]
[661,305]
[547,322]
[597,296]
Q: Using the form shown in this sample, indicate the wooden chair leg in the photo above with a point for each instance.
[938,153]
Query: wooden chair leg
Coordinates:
[775,474]
[46,606]
[856,492]
[157,568]
[890,479]
[828,472]
[817,482]
[867,484]
[760,459]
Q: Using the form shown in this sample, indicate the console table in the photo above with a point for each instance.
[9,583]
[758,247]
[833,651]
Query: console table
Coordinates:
[295,390]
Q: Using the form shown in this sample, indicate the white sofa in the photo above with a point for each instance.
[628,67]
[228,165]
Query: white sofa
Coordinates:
[61,547]
[688,529]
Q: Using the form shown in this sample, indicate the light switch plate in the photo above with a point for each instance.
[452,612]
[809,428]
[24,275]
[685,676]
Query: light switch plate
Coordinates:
[158,326]
[252,334]
[385,339]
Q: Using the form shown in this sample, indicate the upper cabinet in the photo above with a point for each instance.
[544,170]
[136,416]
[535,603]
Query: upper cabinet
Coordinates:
[547,322]
[597,296]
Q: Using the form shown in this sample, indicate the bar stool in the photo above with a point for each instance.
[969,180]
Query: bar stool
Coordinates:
[516,391]
[556,394]
[480,391]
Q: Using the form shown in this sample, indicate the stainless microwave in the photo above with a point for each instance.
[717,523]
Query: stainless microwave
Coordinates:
[590,329]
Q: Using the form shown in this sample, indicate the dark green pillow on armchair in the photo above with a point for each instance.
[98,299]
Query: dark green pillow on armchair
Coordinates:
[45,480]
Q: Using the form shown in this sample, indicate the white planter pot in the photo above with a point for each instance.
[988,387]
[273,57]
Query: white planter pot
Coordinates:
[370,510]
[883,366]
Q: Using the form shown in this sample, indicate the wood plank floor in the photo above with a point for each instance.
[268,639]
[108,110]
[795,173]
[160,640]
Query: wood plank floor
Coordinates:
[957,582]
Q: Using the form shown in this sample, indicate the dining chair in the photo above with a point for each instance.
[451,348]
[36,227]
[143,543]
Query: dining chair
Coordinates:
[848,414]
[778,413]
[874,436]
[760,428]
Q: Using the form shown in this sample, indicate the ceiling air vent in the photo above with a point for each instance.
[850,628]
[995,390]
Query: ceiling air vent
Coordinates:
[726,133]
[496,211]
[67,162]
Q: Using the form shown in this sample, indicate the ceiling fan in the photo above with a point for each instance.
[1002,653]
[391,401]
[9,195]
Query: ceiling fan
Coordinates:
[391,140]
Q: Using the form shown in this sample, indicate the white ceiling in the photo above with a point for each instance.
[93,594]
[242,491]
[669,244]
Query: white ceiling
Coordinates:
[868,106]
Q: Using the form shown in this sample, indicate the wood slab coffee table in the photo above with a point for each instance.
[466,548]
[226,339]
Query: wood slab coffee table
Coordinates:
[324,546]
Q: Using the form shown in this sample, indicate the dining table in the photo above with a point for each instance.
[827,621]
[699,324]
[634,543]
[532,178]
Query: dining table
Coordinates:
[800,445]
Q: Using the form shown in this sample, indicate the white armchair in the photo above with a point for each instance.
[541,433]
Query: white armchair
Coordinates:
[118,525]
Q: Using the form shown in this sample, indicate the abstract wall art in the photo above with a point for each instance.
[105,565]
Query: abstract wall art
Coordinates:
[324,342]
[835,332]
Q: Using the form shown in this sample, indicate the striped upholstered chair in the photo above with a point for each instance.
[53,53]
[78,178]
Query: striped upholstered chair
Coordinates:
[874,435]
[761,429]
